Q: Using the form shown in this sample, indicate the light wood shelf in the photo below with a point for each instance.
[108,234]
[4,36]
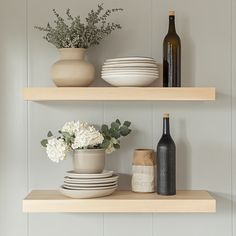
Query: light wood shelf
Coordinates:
[119,94]
[121,201]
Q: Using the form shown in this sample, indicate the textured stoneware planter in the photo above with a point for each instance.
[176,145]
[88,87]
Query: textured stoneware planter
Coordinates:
[89,161]
[72,70]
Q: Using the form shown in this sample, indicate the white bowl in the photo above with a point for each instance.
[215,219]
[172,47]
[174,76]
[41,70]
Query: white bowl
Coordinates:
[129,80]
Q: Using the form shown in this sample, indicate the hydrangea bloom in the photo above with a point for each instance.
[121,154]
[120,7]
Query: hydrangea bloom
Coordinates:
[87,136]
[56,149]
[71,127]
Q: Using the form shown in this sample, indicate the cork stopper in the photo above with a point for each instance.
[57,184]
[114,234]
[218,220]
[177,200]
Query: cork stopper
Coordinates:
[166,115]
[171,13]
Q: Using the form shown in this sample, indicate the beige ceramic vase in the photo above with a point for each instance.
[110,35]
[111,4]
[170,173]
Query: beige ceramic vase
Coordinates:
[72,70]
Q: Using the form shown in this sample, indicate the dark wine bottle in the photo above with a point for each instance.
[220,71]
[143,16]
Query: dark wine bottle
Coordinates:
[172,56]
[166,161]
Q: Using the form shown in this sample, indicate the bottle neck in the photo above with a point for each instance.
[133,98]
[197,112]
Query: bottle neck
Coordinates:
[171,24]
[166,126]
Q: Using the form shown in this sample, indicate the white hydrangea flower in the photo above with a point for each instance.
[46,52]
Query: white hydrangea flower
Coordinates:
[84,125]
[56,149]
[71,127]
[87,136]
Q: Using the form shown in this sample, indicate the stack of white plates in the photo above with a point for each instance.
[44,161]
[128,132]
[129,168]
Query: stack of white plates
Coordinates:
[89,185]
[130,71]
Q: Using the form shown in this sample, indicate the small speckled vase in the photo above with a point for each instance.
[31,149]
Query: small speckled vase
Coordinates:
[72,70]
[143,171]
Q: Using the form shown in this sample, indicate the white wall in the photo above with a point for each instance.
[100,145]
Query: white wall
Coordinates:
[203,131]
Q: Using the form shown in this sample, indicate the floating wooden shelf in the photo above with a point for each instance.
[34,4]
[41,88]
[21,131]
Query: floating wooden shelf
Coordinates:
[119,94]
[121,201]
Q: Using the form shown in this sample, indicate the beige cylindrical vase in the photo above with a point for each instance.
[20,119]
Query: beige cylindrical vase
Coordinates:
[143,177]
[89,161]
[72,70]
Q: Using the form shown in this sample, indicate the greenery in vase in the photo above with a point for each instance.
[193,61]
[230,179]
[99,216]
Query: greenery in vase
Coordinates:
[73,33]
[81,135]
[113,134]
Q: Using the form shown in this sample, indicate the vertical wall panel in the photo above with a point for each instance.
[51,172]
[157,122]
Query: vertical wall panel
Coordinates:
[13,126]
[128,224]
[233,79]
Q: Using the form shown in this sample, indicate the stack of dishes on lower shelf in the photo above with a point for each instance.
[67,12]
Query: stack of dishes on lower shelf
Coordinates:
[130,71]
[89,185]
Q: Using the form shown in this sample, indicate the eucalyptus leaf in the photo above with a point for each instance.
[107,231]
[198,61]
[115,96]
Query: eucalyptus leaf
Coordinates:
[44,142]
[116,146]
[115,134]
[108,137]
[124,130]
[115,125]
[105,143]
[127,123]
[118,121]
[49,134]
[104,128]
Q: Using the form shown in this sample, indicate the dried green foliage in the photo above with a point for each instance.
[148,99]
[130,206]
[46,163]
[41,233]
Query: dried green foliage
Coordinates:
[73,33]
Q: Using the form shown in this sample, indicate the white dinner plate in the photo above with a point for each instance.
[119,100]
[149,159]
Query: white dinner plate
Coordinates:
[149,65]
[132,68]
[130,58]
[138,76]
[92,181]
[128,62]
[130,73]
[89,188]
[87,193]
[104,174]
[90,185]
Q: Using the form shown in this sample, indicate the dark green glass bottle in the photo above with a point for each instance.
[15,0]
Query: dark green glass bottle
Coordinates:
[172,56]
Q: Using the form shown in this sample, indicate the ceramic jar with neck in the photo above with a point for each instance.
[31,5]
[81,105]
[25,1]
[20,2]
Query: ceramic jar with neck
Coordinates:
[72,70]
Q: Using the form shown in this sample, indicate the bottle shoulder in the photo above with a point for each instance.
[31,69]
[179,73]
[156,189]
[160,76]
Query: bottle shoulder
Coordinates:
[172,37]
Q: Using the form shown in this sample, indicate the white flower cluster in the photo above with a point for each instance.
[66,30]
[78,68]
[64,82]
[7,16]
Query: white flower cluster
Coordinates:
[81,134]
[56,149]
[72,127]
[87,136]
